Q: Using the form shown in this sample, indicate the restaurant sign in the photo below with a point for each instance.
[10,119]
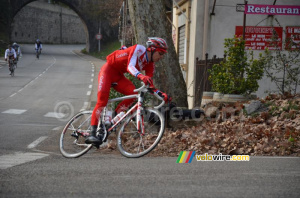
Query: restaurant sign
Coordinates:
[292,37]
[260,37]
[272,9]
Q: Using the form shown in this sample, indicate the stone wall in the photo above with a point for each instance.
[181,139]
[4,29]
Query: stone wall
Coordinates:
[48,22]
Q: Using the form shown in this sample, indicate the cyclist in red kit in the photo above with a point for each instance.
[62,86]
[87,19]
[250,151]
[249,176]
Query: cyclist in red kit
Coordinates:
[127,60]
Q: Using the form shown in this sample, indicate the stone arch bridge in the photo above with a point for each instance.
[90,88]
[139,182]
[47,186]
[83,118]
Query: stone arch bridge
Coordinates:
[82,8]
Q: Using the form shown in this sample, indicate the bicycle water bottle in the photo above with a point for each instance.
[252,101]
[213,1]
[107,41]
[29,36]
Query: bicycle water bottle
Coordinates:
[118,117]
[107,117]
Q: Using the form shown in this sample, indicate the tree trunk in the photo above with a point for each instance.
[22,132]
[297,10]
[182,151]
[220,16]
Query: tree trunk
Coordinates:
[149,20]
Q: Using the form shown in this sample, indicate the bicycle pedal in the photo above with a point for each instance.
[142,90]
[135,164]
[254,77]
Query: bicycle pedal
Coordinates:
[74,135]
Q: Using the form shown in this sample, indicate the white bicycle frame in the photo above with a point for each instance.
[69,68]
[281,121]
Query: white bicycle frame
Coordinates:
[137,106]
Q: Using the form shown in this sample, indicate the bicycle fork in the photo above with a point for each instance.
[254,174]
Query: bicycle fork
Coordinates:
[140,118]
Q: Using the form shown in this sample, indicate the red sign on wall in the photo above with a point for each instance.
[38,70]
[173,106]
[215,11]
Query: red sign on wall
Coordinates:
[259,37]
[292,35]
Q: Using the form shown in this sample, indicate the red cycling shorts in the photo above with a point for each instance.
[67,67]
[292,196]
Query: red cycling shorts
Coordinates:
[109,75]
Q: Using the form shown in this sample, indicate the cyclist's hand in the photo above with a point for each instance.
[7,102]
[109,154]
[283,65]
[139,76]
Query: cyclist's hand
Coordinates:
[146,79]
[163,95]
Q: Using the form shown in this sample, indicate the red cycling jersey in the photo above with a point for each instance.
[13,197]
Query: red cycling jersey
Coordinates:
[131,60]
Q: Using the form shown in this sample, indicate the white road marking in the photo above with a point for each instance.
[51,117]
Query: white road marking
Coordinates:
[85,105]
[90,86]
[92,75]
[14,111]
[54,115]
[35,78]
[7,161]
[88,93]
[36,142]
[57,128]
[34,125]
[92,80]
[12,95]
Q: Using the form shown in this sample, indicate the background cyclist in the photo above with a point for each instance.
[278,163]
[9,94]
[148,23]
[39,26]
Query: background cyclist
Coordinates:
[10,53]
[17,48]
[38,45]
[127,60]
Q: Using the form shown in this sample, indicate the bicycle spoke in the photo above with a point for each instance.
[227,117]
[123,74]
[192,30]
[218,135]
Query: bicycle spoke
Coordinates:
[133,143]
[73,128]
[72,141]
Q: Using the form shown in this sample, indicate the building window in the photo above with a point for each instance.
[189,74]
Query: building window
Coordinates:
[181,45]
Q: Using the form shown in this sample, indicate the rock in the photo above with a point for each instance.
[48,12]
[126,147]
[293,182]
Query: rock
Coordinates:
[211,112]
[255,106]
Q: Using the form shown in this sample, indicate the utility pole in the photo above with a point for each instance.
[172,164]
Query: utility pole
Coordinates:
[60,16]
[244,23]
[99,33]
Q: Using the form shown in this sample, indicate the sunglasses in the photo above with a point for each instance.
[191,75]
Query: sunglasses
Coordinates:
[161,53]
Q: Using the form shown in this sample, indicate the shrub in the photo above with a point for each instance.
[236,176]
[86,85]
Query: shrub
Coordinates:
[238,74]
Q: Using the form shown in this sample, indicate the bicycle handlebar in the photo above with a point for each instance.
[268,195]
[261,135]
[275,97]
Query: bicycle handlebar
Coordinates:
[141,88]
[155,94]
[160,98]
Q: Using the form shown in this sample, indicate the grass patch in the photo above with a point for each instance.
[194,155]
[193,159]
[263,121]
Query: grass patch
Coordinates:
[105,50]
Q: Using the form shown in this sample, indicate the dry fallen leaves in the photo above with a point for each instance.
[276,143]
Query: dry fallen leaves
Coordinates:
[273,132]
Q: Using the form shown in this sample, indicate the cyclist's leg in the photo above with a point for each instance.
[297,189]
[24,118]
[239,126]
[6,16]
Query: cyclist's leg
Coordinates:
[106,76]
[10,64]
[126,87]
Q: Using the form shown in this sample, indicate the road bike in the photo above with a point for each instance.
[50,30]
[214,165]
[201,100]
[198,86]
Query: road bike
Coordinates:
[12,67]
[140,128]
[38,53]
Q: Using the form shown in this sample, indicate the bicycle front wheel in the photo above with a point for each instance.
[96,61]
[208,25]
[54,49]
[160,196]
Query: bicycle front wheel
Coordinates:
[131,142]
[13,70]
[72,140]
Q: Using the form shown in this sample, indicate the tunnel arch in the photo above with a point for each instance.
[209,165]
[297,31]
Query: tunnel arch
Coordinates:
[81,8]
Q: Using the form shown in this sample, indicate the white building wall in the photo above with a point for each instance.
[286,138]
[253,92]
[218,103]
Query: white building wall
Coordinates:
[222,25]
[195,45]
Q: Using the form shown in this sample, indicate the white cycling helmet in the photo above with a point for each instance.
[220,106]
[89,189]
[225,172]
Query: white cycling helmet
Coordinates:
[156,44]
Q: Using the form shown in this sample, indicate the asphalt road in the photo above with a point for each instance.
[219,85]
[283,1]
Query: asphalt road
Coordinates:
[34,106]
[58,81]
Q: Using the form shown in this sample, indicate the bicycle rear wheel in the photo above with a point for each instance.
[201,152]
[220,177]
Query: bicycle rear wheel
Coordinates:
[12,73]
[12,69]
[132,143]
[72,140]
